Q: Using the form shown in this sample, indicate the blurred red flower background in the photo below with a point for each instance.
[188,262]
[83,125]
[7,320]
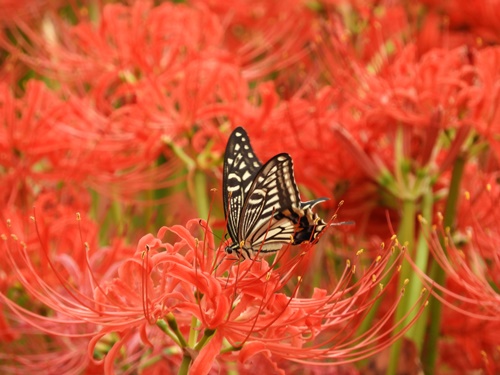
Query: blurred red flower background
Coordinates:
[114,119]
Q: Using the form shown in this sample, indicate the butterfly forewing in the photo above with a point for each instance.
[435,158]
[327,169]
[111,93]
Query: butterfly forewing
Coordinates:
[240,167]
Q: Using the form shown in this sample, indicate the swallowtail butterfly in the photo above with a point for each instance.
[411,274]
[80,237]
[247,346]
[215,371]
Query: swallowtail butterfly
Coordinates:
[262,204]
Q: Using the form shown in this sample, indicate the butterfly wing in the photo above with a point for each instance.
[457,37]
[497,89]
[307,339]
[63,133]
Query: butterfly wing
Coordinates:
[240,167]
[273,190]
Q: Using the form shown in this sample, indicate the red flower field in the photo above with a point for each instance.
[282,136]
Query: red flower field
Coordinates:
[114,119]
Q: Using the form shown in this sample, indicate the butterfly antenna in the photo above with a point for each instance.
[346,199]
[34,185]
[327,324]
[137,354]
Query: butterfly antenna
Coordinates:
[334,217]
[218,264]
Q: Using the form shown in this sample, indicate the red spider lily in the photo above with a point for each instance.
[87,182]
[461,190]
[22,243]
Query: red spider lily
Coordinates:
[419,96]
[485,98]
[178,72]
[128,45]
[135,58]
[376,28]
[471,269]
[419,102]
[142,93]
[407,106]
[204,313]
[243,307]
[469,344]
[371,31]
[118,156]
[31,148]
[34,353]
[469,290]
[268,37]
[25,10]
[478,231]
[46,284]
[463,22]
[469,258]
[164,76]
[45,140]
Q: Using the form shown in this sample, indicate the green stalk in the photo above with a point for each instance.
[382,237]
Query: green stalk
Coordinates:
[172,323]
[117,216]
[93,11]
[417,331]
[158,211]
[187,359]
[390,189]
[173,331]
[429,354]
[148,212]
[94,212]
[193,332]
[206,338]
[367,322]
[406,236]
[186,362]
[201,196]
[200,181]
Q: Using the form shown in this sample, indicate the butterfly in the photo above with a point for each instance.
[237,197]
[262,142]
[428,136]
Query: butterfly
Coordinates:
[262,203]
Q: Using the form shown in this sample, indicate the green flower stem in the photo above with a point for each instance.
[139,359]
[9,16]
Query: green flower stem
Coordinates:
[206,337]
[94,213]
[179,152]
[417,331]
[93,11]
[187,358]
[406,236]
[402,170]
[172,330]
[193,332]
[430,353]
[148,212]
[186,362]
[199,178]
[149,360]
[230,349]
[201,196]
[117,216]
[165,329]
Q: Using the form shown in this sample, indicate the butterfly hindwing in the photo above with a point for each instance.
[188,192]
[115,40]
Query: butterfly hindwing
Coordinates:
[272,191]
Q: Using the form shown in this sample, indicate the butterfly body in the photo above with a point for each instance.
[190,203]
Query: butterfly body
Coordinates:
[262,204]
[308,224]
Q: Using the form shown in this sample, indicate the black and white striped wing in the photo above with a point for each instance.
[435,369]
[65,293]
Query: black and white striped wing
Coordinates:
[273,190]
[240,167]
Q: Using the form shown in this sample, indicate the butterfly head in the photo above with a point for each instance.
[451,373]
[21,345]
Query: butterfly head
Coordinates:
[239,250]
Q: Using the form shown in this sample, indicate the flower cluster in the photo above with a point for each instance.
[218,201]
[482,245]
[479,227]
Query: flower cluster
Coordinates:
[183,302]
